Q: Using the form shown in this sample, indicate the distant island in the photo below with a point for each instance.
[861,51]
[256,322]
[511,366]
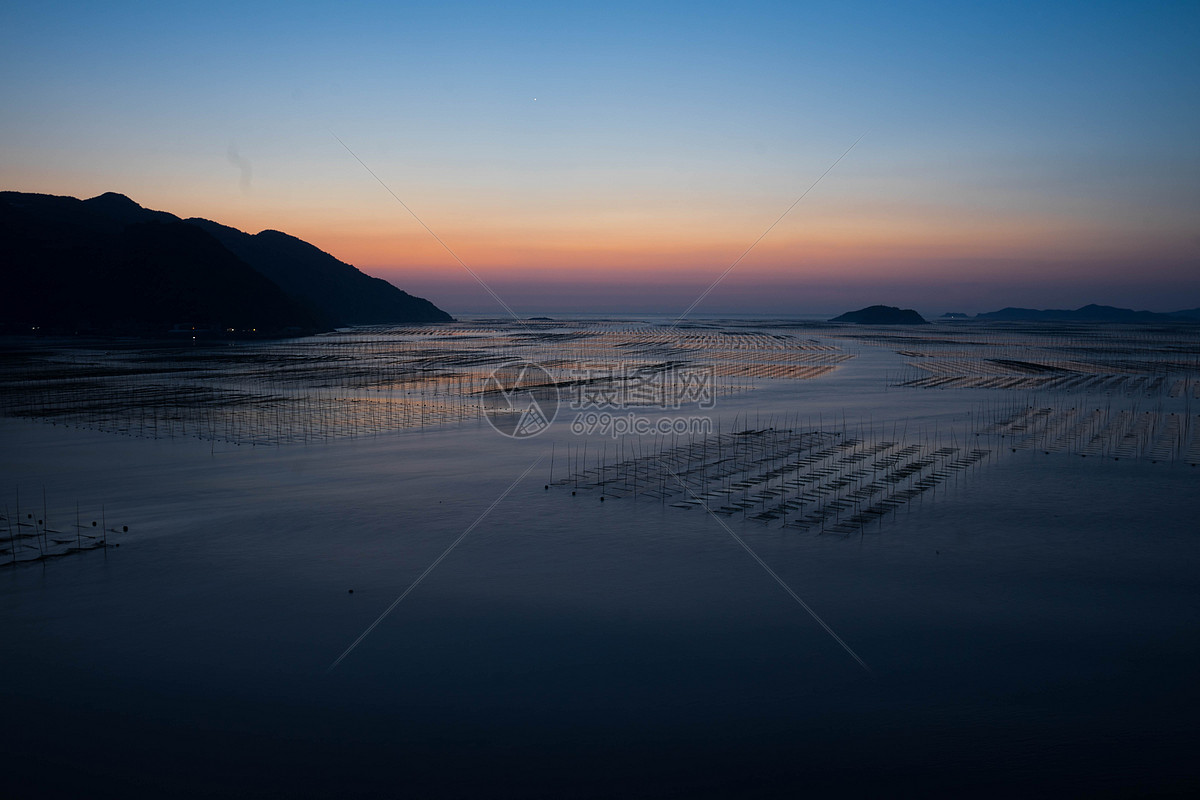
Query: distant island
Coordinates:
[890,315]
[107,265]
[882,315]
[1088,313]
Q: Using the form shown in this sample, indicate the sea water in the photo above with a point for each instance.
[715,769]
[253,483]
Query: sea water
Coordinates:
[1029,625]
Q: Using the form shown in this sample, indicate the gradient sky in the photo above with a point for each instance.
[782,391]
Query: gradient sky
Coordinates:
[1015,154]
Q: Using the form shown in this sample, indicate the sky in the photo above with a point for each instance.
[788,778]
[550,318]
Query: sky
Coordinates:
[622,156]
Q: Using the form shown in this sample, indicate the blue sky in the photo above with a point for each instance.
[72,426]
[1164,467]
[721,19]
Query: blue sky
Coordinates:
[1015,154]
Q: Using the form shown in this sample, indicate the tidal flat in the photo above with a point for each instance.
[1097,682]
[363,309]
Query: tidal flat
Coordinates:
[958,558]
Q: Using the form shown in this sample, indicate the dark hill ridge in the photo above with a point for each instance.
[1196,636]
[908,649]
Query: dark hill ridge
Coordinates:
[119,208]
[68,269]
[109,265]
[1088,313]
[322,282]
[882,315]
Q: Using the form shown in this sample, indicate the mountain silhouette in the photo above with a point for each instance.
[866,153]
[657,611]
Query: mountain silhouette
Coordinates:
[109,265]
[322,282]
[1088,313]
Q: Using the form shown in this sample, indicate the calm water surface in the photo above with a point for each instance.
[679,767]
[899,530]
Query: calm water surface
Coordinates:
[1031,627]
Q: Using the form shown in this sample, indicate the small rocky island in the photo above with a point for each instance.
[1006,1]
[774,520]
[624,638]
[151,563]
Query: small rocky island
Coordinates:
[882,315]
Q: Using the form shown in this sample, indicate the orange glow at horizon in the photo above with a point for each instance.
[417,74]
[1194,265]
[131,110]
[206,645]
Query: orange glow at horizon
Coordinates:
[868,247]
[598,241]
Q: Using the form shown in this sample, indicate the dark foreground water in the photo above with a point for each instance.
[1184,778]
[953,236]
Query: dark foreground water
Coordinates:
[1032,627]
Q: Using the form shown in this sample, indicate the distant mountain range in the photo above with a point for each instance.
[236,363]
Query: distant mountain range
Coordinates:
[107,265]
[890,315]
[882,315]
[1089,313]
